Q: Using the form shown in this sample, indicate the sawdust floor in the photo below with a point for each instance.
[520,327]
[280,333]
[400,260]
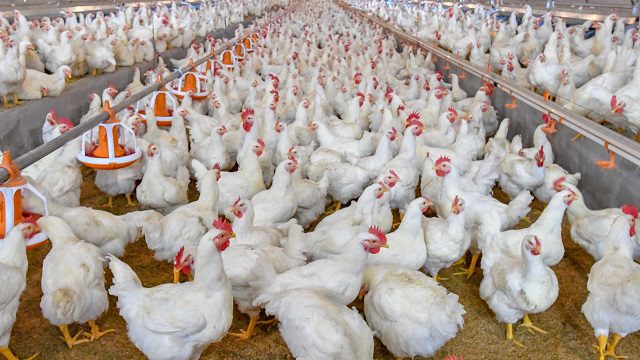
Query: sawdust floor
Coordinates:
[570,336]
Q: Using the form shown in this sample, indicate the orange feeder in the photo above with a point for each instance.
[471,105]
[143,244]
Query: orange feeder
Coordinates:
[239,51]
[211,65]
[255,37]
[190,81]
[158,104]
[248,44]
[228,59]
[116,147]
[11,213]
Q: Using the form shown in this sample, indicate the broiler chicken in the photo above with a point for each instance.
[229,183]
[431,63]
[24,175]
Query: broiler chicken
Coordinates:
[178,321]
[13,274]
[409,312]
[79,296]
[158,191]
[520,284]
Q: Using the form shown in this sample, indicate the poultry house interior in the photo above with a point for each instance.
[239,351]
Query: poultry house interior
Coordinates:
[279,179]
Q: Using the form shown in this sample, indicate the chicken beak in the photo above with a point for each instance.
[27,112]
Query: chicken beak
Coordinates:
[386,246]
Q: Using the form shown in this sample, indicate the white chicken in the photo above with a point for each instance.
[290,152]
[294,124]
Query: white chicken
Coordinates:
[79,296]
[433,317]
[158,191]
[519,285]
[316,328]
[178,321]
[13,274]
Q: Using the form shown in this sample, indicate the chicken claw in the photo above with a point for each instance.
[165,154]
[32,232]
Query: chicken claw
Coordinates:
[472,267]
[109,203]
[511,337]
[6,352]
[602,342]
[526,322]
[95,333]
[68,339]
[246,334]
[129,201]
[611,348]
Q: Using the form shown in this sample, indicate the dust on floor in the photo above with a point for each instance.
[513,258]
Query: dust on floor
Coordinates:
[570,336]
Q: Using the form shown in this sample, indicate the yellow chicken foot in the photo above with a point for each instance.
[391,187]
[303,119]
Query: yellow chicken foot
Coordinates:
[15,100]
[190,277]
[461,261]
[472,267]
[71,340]
[268,322]
[439,279]
[6,352]
[129,201]
[95,72]
[611,348]
[526,322]
[109,203]
[95,333]
[6,102]
[602,342]
[510,336]
[246,334]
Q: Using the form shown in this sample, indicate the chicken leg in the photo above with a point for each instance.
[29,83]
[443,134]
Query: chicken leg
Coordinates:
[129,201]
[246,334]
[472,267]
[6,352]
[109,203]
[15,99]
[71,340]
[611,348]
[510,336]
[526,322]
[439,279]
[95,331]
[602,342]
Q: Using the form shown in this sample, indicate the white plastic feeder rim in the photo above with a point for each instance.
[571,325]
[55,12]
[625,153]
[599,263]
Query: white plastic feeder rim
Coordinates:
[8,193]
[112,159]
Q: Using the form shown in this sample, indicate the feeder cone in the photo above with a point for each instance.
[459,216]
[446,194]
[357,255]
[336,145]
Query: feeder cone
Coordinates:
[15,180]
[190,83]
[247,42]
[160,105]
[102,151]
[227,58]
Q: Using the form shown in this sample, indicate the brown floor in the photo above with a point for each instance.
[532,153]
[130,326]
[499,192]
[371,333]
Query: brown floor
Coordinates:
[570,336]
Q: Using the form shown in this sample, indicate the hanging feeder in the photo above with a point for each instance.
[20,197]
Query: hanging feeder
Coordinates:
[116,147]
[211,65]
[158,104]
[248,44]
[11,213]
[240,51]
[255,37]
[228,59]
[190,81]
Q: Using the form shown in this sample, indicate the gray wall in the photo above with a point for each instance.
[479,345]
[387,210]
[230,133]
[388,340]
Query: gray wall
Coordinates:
[21,126]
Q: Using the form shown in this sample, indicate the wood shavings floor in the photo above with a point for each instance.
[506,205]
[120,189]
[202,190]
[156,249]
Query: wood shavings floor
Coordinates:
[570,336]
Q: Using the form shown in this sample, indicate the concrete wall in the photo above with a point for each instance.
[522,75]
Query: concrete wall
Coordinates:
[21,126]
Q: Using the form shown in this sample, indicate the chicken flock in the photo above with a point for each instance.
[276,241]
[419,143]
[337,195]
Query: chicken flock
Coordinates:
[326,112]
[37,57]
[591,68]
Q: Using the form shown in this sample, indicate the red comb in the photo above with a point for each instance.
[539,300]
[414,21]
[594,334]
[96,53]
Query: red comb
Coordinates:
[456,200]
[630,210]
[237,201]
[65,121]
[261,142]
[453,111]
[394,173]
[377,232]
[614,101]
[413,116]
[216,166]
[222,225]
[178,259]
[546,118]
[559,181]
[442,159]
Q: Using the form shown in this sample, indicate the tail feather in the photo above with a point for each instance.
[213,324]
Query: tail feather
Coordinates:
[503,129]
[517,209]
[125,280]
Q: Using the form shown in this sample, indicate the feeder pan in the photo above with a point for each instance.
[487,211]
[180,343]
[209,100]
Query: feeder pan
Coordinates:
[190,81]
[209,65]
[240,51]
[255,37]
[228,59]
[110,153]
[158,104]
[11,213]
[248,44]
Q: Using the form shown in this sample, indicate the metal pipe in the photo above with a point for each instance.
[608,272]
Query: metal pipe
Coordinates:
[601,135]
[45,149]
